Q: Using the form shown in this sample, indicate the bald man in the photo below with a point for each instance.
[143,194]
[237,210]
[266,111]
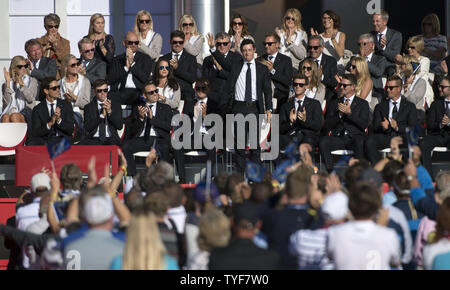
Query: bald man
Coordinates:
[129,72]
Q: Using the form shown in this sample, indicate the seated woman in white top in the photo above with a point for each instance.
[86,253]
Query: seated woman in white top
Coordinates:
[364,86]
[414,85]
[193,40]
[150,41]
[334,40]
[238,32]
[75,88]
[168,89]
[19,92]
[293,37]
[316,90]
[415,46]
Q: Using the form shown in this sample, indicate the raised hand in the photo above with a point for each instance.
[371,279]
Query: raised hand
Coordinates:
[142,111]
[385,124]
[211,41]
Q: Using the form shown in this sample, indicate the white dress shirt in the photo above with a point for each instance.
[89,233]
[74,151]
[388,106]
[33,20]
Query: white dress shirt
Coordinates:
[240,84]
[97,134]
[130,83]
[296,102]
[152,129]
[198,113]
[49,108]
[391,107]
[383,34]
[179,54]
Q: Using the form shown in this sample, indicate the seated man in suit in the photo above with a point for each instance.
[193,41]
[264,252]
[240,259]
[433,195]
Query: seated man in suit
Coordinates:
[279,66]
[388,42]
[390,119]
[438,124]
[184,66]
[93,68]
[206,102]
[102,118]
[347,119]
[53,118]
[129,72]
[326,64]
[150,127]
[217,66]
[300,117]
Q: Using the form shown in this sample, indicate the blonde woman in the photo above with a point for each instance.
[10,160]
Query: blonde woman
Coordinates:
[364,85]
[414,85]
[150,41]
[74,87]
[293,37]
[238,32]
[214,232]
[316,90]
[144,249]
[415,46]
[193,41]
[105,46]
[19,92]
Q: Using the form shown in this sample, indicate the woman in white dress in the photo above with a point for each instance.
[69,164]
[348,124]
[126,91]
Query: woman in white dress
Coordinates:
[364,85]
[19,92]
[193,40]
[168,89]
[293,37]
[316,90]
[150,41]
[238,32]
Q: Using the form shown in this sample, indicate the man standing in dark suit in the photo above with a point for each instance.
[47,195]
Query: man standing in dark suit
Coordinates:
[217,66]
[102,118]
[184,66]
[347,119]
[301,117]
[94,68]
[438,124]
[326,64]
[249,93]
[53,118]
[391,118]
[280,68]
[129,72]
[388,42]
[150,126]
[242,253]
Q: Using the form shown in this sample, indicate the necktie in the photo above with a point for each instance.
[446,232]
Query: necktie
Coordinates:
[102,126]
[248,84]
[34,63]
[347,101]
[394,111]
[300,106]
[379,38]
[177,56]
[270,57]
[148,125]
[52,111]
[317,62]
[447,108]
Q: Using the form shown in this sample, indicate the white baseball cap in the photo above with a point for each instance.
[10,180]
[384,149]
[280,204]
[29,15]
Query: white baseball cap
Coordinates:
[98,209]
[40,180]
[335,206]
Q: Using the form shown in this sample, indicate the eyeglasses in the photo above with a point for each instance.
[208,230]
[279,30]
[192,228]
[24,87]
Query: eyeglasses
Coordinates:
[315,47]
[307,68]
[443,87]
[52,26]
[142,21]
[237,23]
[150,93]
[188,24]
[101,91]
[411,47]
[345,85]
[268,43]
[353,66]
[298,85]
[201,88]
[289,18]
[133,42]
[164,67]
[177,42]
[391,87]
[21,66]
[75,64]
[362,43]
[89,50]
[222,43]
[56,88]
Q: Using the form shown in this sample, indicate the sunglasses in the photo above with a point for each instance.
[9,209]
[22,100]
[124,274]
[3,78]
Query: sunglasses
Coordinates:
[188,24]
[149,93]
[308,68]
[101,91]
[362,43]
[443,87]
[56,88]
[268,43]
[133,42]
[21,66]
[89,50]
[147,21]
[298,85]
[411,47]
[237,23]
[289,18]
[222,43]
[391,87]
[161,67]
[75,64]
[316,47]
[53,26]
[201,88]
[345,85]
[353,66]
[177,42]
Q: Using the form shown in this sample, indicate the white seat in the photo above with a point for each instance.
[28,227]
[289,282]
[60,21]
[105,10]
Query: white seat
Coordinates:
[181,106]
[121,132]
[274,104]
[342,152]
[141,154]
[195,153]
[440,149]
[324,104]
[11,135]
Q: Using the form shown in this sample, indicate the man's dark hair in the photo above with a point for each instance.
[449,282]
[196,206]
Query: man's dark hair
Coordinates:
[351,78]
[99,83]
[261,191]
[149,82]
[71,176]
[174,193]
[202,82]
[301,76]
[246,42]
[395,78]
[447,78]
[32,42]
[177,33]
[353,172]
[390,170]
[364,200]
[46,82]
[274,35]
[222,35]
[297,185]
